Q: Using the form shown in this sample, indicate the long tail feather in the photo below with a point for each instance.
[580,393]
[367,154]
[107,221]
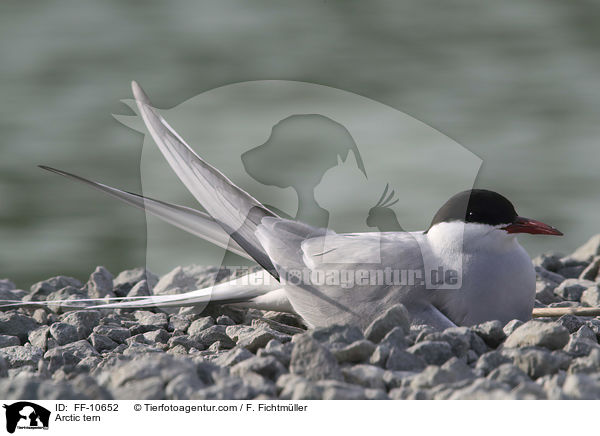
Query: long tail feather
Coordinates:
[238,213]
[244,288]
[193,221]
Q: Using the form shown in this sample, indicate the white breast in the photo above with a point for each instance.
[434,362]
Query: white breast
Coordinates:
[498,278]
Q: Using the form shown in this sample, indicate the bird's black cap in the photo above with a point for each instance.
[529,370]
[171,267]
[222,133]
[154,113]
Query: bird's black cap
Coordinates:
[476,206]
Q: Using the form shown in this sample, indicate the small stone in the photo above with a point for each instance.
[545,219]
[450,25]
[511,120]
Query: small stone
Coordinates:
[509,374]
[544,274]
[100,284]
[146,376]
[536,333]
[148,321]
[157,336]
[401,360]
[585,332]
[140,289]
[396,379]
[268,366]
[16,324]
[66,293]
[184,341]
[39,337]
[591,296]
[9,341]
[572,289]
[68,356]
[578,347]
[551,262]
[213,334]
[544,292]
[40,290]
[573,271]
[432,352]
[452,371]
[537,362]
[18,356]
[233,357]
[84,321]
[178,323]
[63,333]
[587,251]
[491,332]
[102,343]
[225,320]
[587,364]
[181,279]
[114,332]
[489,361]
[255,338]
[582,386]
[395,316]
[183,386]
[396,337]
[368,376]
[282,352]
[277,326]
[358,351]
[200,324]
[40,316]
[336,334]
[571,322]
[128,279]
[591,271]
[313,361]
[511,326]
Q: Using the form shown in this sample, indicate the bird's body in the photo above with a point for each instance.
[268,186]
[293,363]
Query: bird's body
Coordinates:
[481,272]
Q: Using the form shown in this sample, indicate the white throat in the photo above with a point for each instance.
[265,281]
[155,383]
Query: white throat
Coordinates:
[498,279]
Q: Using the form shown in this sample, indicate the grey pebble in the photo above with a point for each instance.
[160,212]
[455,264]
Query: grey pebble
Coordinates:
[551,335]
[492,332]
[84,321]
[102,343]
[267,366]
[282,352]
[200,324]
[395,316]
[9,341]
[511,326]
[356,352]
[368,376]
[115,332]
[213,334]
[312,360]
[68,356]
[22,355]
[140,289]
[16,324]
[126,280]
[591,296]
[587,251]
[100,283]
[64,333]
[432,352]
[572,289]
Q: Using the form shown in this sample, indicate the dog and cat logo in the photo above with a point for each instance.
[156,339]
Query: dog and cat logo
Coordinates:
[26,415]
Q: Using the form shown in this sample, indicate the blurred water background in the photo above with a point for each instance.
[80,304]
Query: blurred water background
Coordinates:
[515,82]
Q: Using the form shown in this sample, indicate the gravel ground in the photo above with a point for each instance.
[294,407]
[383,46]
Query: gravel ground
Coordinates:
[226,353]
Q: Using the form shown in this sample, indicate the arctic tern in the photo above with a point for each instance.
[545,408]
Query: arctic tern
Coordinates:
[471,241]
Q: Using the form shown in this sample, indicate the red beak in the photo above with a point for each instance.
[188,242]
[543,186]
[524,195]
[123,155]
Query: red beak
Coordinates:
[527,225]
